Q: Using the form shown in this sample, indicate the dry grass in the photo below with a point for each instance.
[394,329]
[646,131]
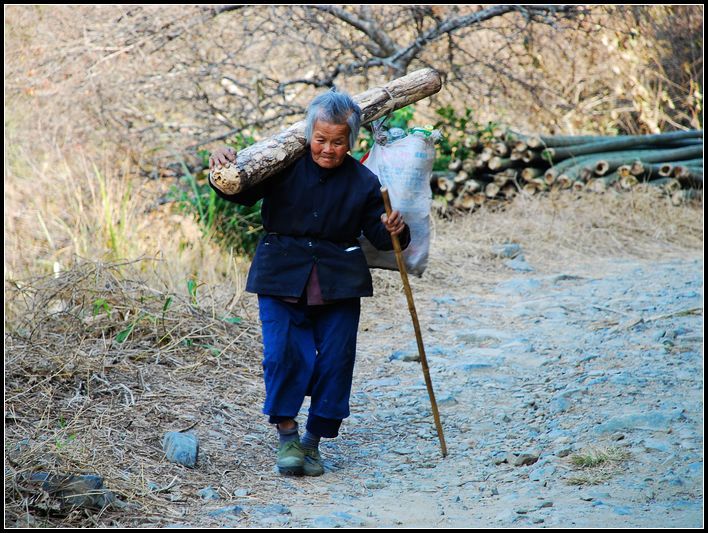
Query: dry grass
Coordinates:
[80,401]
[597,464]
[85,202]
[595,457]
[557,232]
[77,399]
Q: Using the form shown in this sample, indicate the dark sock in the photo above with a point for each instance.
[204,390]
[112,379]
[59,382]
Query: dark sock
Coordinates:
[310,440]
[286,435]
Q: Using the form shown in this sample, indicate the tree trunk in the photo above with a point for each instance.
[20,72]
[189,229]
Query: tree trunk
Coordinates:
[265,158]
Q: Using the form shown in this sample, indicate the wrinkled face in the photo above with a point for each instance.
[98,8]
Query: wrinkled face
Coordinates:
[330,144]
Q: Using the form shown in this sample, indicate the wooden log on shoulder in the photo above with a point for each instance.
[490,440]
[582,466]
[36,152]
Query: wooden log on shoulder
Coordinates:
[267,157]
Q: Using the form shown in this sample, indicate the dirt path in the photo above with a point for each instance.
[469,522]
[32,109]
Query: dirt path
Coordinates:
[527,368]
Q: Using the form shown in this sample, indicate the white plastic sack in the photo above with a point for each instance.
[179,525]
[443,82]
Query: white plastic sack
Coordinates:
[405,167]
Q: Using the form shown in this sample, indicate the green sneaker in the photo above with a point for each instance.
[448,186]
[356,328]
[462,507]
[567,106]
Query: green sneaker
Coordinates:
[313,462]
[291,458]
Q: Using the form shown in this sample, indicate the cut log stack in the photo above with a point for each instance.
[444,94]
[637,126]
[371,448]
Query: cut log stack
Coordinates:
[502,163]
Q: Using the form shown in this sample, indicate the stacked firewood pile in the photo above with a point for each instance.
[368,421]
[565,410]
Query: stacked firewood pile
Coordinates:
[501,163]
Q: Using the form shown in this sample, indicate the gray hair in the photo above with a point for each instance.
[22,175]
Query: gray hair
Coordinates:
[335,108]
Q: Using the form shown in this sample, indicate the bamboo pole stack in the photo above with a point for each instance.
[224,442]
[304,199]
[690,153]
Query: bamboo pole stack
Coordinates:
[501,163]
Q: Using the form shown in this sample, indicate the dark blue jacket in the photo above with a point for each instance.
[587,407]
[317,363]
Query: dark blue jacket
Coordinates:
[315,215]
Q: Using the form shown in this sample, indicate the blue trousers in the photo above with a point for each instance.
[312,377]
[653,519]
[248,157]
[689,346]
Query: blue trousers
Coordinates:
[309,351]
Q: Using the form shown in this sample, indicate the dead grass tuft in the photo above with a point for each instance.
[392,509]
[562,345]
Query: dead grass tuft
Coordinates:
[99,366]
[597,464]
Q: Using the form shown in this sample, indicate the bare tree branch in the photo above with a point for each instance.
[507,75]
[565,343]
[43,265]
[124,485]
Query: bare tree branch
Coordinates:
[382,44]
[167,78]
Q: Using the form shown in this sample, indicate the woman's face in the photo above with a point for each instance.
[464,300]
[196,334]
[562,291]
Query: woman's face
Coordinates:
[330,144]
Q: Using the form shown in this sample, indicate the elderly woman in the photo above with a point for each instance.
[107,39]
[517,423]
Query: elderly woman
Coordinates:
[309,273]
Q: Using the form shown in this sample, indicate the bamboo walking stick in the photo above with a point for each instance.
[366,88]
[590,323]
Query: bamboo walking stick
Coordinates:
[416,325]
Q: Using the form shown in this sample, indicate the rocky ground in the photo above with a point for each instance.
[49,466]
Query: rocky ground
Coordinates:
[532,371]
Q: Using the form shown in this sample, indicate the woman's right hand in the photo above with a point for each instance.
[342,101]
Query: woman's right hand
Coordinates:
[221,156]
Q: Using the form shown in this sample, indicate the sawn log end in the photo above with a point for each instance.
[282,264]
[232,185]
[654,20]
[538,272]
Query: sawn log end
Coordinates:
[227,179]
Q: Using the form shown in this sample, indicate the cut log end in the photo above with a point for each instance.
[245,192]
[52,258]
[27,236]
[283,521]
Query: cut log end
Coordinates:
[226,179]
[530,173]
[534,142]
[602,167]
[491,190]
[564,181]
[445,184]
